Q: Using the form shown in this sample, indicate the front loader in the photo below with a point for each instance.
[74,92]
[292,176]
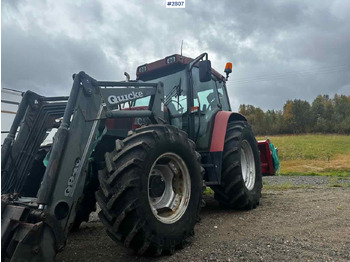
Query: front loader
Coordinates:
[143,149]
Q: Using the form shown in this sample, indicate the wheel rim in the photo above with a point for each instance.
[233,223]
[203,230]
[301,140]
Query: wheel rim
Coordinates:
[169,188]
[247,165]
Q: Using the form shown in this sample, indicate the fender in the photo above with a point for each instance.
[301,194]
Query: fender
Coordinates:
[220,125]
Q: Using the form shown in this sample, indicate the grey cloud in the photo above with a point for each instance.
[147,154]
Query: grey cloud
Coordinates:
[280,49]
[45,64]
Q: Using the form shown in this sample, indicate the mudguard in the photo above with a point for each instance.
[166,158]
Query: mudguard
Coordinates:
[220,125]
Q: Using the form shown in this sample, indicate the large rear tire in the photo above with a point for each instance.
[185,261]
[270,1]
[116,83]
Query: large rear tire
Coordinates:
[241,169]
[151,189]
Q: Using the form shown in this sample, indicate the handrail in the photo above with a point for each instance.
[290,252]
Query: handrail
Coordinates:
[8,112]
[9,102]
[11,91]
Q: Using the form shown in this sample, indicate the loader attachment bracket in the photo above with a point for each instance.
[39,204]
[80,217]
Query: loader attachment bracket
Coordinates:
[26,231]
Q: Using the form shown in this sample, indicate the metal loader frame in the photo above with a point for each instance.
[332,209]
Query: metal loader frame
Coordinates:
[37,228]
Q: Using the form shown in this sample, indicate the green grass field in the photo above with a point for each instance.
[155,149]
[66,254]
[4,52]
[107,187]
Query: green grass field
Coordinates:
[313,154]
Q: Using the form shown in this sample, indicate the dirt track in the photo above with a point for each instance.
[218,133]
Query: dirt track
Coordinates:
[300,224]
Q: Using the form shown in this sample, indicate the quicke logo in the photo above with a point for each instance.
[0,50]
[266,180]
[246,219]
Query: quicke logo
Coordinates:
[124,98]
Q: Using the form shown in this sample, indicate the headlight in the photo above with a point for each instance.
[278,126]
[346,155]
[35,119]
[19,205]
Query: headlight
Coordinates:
[142,69]
[171,59]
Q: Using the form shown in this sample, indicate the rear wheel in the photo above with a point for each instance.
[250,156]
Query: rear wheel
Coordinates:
[241,171]
[151,189]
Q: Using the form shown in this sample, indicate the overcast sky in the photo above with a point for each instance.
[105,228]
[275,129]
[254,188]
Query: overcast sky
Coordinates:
[279,49]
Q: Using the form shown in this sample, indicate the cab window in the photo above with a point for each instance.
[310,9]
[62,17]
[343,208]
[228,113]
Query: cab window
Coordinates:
[205,95]
[175,91]
[222,95]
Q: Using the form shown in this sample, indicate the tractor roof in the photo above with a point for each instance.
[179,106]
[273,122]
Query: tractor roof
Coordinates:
[166,66]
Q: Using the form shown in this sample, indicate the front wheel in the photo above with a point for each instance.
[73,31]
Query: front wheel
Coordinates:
[241,178]
[150,192]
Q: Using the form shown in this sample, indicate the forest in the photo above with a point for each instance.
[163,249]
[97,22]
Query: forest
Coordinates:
[323,115]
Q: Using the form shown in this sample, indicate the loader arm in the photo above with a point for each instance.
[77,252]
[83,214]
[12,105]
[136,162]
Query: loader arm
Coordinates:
[35,229]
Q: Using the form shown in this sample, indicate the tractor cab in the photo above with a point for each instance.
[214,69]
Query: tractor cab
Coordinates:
[194,93]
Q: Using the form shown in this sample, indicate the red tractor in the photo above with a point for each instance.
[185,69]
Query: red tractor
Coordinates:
[144,149]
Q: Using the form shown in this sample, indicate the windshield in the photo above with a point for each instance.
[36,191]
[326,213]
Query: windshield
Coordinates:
[175,92]
[174,88]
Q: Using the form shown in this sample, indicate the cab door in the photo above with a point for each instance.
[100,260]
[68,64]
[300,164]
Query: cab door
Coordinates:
[206,100]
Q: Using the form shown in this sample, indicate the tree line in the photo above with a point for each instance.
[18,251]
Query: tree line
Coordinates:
[323,115]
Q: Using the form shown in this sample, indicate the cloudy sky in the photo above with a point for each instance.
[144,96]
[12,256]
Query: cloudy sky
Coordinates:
[279,49]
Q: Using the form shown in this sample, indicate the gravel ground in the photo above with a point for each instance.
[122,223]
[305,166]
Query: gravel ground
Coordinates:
[296,180]
[303,180]
[301,224]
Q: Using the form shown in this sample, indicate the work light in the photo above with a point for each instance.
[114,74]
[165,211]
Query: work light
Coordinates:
[171,59]
[142,69]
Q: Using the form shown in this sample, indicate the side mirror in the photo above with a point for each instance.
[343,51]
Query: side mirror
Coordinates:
[204,71]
